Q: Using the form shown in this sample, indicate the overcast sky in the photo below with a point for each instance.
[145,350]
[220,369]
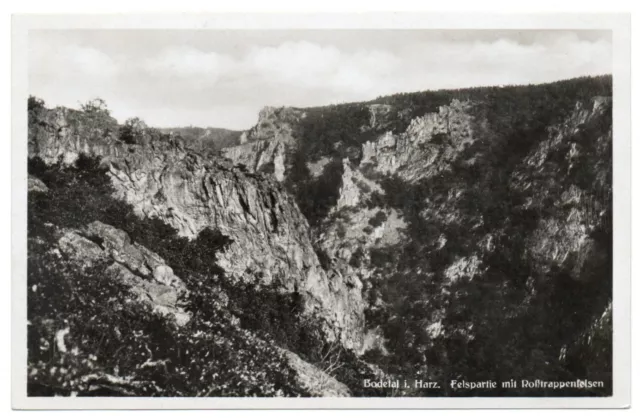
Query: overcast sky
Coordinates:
[223,78]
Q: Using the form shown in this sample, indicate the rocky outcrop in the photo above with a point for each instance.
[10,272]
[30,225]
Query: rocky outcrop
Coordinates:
[426,147]
[265,147]
[268,156]
[163,179]
[275,123]
[144,272]
[353,228]
[314,380]
[564,240]
[34,184]
[355,224]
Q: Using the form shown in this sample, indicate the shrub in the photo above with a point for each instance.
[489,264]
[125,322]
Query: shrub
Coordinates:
[95,106]
[356,258]
[132,131]
[34,103]
[378,219]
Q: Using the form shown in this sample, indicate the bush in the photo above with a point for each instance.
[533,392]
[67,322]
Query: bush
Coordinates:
[378,219]
[356,258]
[95,106]
[132,131]
[34,103]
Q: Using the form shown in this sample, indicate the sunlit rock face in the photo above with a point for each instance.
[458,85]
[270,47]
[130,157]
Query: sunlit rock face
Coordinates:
[34,184]
[268,156]
[265,147]
[429,143]
[149,279]
[271,242]
[572,167]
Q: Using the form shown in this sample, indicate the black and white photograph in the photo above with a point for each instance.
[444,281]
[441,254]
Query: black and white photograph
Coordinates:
[319,213]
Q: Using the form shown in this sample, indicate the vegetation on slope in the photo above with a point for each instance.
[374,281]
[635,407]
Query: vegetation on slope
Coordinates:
[120,348]
[235,361]
[519,317]
[517,116]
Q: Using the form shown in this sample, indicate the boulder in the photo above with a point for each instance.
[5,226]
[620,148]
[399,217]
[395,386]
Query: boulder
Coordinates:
[129,264]
[34,184]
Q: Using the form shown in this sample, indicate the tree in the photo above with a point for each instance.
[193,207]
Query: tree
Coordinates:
[34,103]
[95,106]
[133,130]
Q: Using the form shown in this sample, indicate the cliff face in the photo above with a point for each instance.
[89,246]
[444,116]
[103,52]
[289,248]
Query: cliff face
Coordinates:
[502,189]
[149,281]
[439,233]
[266,147]
[426,147]
[271,243]
[261,156]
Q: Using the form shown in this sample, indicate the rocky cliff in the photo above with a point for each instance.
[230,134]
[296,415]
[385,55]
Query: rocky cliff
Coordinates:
[165,180]
[440,234]
[150,282]
[267,146]
[504,193]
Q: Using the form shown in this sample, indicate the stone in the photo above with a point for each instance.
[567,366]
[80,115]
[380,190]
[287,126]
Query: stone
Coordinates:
[80,248]
[163,291]
[314,380]
[113,238]
[34,184]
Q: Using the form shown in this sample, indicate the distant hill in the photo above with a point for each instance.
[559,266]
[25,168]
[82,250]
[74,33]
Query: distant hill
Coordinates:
[201,139]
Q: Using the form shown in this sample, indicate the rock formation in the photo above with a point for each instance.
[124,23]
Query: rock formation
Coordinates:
[271,242]
[416,228]
[148,276]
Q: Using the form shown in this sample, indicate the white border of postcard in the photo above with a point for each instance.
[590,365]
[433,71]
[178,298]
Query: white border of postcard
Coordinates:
[619,24]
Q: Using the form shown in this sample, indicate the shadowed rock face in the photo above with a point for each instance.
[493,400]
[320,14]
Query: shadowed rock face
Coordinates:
[271,242]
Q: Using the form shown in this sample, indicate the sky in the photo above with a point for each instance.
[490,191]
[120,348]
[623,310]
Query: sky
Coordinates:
[222,78]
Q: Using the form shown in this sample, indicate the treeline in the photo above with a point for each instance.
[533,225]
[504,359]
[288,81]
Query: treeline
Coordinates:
[505,107]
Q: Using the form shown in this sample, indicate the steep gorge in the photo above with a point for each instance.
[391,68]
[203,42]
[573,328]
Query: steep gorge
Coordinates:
[465,214]
[436,234]
[164,179]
